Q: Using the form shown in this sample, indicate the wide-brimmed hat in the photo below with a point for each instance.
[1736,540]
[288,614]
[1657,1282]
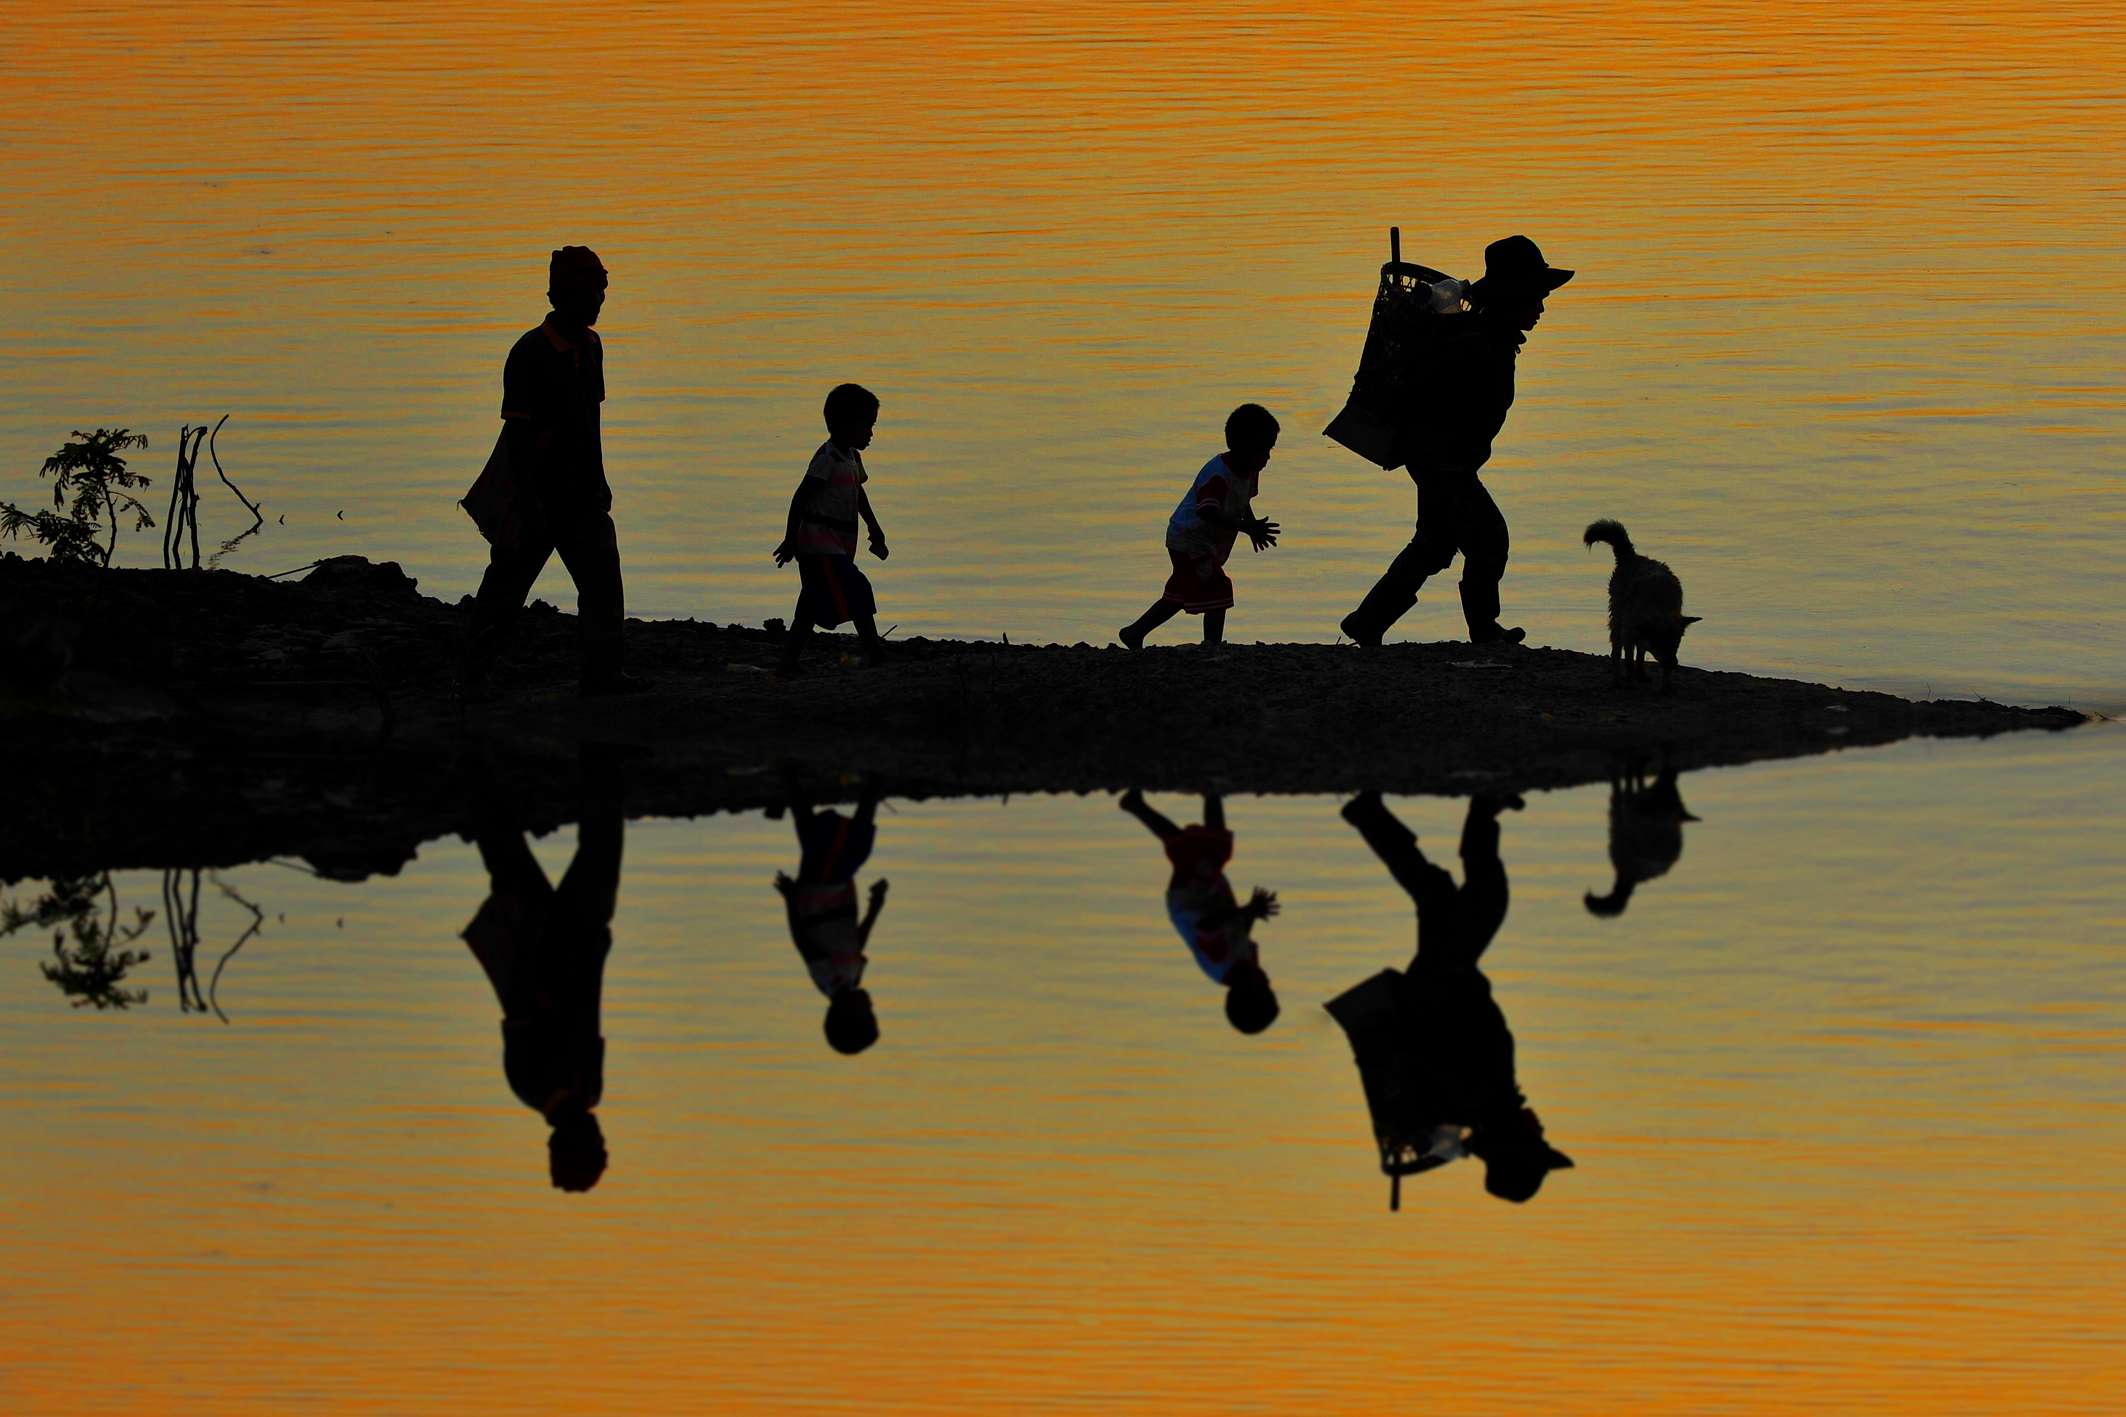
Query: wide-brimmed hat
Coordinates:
[1516,264]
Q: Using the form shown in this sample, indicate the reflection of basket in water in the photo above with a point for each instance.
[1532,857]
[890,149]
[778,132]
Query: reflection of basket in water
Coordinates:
[1403,350]
[1371,1017]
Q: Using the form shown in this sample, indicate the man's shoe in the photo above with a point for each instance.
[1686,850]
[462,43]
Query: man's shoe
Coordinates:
[1129,640]
[1359,635]
[1498,635]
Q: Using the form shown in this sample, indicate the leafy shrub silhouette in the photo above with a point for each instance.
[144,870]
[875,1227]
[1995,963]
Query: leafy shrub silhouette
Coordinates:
[91,967]
[93,473]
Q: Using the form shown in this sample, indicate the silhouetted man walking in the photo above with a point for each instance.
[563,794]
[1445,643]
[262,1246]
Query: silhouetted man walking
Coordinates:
[1448,441]
[544,489]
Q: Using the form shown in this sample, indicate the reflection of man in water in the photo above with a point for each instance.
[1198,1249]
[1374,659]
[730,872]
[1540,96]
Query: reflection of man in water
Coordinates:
[544,951]
[821,902]
[1432,1047]
[1199,900]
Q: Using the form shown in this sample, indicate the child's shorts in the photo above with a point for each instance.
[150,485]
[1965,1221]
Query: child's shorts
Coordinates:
[1199,581]
[1198,854]
[834,591]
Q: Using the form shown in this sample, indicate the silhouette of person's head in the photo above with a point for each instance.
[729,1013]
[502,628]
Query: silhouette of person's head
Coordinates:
[1250,1003]
[575,285]
[851,1025]
[852,412]
[575,1153]
[1250,433]
[1516,280]
[1515,1156]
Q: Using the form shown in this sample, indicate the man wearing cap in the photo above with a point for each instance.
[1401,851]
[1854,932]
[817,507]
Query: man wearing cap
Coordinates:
[1447,442]
[544,489]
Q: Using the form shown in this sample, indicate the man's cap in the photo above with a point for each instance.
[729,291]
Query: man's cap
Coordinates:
[1516,263]
[575,265]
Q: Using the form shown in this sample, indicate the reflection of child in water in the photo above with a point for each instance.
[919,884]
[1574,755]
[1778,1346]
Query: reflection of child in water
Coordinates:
[822,908]
[1199,900]
[544,950]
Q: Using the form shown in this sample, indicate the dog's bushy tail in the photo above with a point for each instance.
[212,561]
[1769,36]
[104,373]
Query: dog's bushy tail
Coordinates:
[1611,532]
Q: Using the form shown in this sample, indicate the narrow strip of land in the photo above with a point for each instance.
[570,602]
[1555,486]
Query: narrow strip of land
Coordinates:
[208,718]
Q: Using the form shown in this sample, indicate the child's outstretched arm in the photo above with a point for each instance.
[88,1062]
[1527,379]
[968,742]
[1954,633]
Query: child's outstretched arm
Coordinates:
[1260,530]
[878,533]
[1261,905]
[788,550]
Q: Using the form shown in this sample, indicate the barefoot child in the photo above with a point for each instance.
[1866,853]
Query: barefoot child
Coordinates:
[1199,535]
[821,532]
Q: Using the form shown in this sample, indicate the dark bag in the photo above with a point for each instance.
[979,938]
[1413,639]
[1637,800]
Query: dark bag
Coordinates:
[1415,314]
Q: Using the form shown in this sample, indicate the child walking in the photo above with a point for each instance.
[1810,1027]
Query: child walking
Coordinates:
[821,532]
[1199,535]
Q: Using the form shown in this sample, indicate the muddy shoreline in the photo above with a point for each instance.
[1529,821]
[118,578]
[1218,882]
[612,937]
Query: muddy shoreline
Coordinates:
[213,718]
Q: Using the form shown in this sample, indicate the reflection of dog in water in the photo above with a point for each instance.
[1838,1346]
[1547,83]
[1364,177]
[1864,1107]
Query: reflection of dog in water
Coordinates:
[1645,607]
[1645,834]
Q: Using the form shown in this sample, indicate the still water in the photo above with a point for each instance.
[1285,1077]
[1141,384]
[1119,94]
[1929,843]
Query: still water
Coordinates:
[1844,346]
[1841,1083]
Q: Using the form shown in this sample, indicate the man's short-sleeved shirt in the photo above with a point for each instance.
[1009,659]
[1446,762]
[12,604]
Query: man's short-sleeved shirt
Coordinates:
[1216,488]
[834,483]
[554,381]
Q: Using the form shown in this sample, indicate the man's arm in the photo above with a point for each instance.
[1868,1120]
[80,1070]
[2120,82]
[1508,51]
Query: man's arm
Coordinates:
[526,422]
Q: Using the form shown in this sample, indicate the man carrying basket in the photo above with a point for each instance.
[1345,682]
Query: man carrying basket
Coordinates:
[1443,436]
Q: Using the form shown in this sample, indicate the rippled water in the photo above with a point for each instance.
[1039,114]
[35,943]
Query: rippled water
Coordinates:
[1842,1087]
[1844,346]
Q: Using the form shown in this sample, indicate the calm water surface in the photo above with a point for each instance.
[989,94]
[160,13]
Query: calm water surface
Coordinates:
[1843,1088]
[1844,347]
[1842,1085]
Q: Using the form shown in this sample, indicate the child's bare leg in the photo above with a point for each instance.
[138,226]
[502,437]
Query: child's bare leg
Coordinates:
[1161,611]
[1158,825]
[1213,627]
[1214,811]
[867,640]
[793,643]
